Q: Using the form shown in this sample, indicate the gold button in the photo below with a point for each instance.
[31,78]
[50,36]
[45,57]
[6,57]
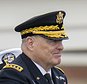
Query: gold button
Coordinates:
[38,78]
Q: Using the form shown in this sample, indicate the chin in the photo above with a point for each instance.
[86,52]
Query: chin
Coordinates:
[56,62]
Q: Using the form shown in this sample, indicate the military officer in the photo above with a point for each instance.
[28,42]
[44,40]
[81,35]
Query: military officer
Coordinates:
[41,46]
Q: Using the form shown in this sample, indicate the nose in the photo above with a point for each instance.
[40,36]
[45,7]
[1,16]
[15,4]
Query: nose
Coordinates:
[59,45]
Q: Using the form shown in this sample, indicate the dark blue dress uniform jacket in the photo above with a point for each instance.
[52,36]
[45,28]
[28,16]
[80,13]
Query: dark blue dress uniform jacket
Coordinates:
[30,73]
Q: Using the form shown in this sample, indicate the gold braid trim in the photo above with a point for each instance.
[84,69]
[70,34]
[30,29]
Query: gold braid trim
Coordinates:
[59,69]
[56,34]
[14,66]
[41,28]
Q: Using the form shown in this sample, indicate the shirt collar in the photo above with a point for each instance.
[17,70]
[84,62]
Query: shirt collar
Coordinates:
[42,70]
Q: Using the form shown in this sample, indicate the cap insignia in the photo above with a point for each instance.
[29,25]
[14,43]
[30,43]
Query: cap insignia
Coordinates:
[59,18]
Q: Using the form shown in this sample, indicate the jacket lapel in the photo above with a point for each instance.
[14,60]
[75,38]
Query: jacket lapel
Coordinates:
[55,77]
[37,76]
[58,77]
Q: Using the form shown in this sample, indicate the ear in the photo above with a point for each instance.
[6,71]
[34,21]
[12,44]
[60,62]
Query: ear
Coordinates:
[29,43]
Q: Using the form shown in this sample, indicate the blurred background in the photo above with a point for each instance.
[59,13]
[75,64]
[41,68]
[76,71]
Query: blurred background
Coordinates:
[74,58]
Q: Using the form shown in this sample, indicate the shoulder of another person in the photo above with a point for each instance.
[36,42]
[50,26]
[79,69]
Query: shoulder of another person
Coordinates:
[13,66]
[58,68]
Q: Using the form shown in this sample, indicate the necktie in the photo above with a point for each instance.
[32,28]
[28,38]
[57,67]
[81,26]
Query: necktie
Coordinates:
[48,78]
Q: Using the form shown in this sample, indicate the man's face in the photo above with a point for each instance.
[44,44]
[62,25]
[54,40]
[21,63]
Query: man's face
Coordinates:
[47,51]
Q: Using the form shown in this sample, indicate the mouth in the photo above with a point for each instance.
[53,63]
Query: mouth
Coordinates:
[57,54]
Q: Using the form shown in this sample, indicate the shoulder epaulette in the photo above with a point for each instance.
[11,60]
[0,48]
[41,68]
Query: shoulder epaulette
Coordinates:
[59,69]
[14,66]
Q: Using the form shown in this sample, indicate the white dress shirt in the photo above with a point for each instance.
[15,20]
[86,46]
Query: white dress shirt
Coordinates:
[42,70]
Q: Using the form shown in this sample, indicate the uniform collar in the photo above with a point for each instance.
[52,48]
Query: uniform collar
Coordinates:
[33,69]
[42,70]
